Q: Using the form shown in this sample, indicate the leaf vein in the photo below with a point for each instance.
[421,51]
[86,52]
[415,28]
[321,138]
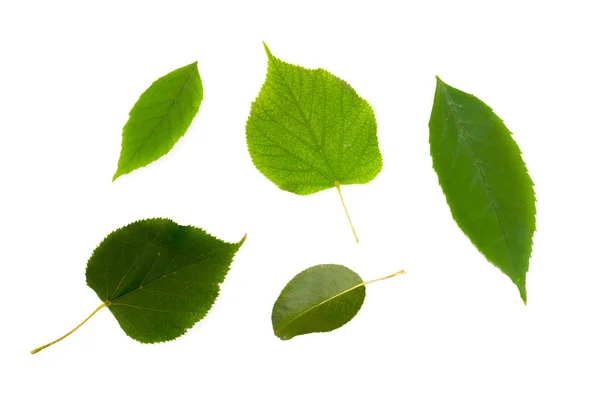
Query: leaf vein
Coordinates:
[481,174]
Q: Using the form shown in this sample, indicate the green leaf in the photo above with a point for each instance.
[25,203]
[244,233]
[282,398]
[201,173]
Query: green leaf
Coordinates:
[308,131]
[319,299]
[485,180]
[158,278]
[159,118]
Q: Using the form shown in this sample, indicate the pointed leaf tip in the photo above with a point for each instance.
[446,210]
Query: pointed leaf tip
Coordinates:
[522,292]
[439,81]
[269,54]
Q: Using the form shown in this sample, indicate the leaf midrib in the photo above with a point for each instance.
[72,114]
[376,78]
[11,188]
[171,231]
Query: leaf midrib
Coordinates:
[112,301]
[304,118]
[152,281]
[319,305]
[291,154]
[483,177]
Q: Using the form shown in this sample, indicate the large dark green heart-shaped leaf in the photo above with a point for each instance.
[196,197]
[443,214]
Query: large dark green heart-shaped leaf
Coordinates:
[485,180]
[158,278]
[308,131]
[159,118]
[319,299]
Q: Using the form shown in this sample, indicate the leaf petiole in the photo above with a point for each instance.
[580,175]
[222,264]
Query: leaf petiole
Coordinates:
[337,185]
[77,327]
[402,272]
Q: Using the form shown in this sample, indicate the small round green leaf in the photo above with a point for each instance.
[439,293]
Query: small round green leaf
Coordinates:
[319,299]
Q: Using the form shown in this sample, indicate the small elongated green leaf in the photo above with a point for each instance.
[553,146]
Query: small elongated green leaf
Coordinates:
[159,118]
[319,299]
[485,180]
[308,130]
[158,278]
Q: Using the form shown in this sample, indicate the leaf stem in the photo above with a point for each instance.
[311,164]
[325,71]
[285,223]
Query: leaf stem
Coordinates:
[402,272]
[77,327]
[337,185]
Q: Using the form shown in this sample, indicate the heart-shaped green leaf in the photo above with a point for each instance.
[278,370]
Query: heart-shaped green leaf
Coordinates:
[158,278]
[485,180]
[308,131]
[319,299]
[159,118]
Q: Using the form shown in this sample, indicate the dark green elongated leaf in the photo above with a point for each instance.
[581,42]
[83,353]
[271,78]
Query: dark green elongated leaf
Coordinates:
[308,131]
[158,278]
[485,180]
[159,118]
[319,299]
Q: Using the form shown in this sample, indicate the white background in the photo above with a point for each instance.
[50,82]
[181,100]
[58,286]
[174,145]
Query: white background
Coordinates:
[453,327]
